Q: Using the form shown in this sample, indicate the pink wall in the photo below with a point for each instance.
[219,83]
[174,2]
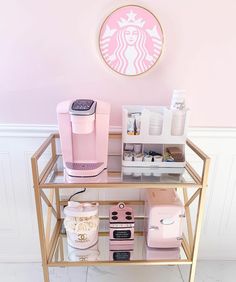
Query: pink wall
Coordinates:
[49,52]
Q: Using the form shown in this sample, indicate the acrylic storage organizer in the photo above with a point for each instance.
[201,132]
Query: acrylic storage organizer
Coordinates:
[153,136]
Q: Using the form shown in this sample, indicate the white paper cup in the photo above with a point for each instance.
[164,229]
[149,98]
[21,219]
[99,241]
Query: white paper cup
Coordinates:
[155,130]
[178,123]
[155,124]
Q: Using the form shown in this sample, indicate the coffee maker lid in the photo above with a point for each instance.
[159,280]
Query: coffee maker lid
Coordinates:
[101,107]
[77,209]
[83,107]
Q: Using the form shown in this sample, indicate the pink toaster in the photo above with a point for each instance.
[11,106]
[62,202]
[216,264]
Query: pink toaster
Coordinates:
[164,212]
[121,225]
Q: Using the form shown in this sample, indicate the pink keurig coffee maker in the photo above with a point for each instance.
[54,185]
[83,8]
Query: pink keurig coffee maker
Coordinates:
[84,130]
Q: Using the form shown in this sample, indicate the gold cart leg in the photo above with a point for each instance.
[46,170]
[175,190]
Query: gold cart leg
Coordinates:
[41,234]
[46,273]
[197,237]
[58,207]
[39,210]
[201,205]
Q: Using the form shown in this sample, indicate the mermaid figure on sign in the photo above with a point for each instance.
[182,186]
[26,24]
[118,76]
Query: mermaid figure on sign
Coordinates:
[130,55]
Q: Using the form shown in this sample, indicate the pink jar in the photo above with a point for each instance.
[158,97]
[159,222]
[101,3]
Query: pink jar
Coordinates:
[81,224]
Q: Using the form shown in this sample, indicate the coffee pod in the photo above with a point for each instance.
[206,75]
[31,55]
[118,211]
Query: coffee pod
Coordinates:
[128,157]
[158,159]
[147,158]
[129,147]
[138,157]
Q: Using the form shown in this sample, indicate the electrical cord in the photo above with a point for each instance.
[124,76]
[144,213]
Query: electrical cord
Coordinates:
[79,192]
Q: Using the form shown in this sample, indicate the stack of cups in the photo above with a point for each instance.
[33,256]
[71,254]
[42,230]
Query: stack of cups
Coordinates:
[178,122]
[156,123]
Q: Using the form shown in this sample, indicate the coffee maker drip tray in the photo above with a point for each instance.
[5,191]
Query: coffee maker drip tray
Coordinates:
[84,166]
[85,169]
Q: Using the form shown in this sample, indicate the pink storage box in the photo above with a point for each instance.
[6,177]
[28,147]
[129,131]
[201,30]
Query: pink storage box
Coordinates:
[164,213]
[162,254]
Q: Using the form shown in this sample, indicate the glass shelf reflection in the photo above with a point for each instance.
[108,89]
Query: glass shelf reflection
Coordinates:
[104,252]
[116,174]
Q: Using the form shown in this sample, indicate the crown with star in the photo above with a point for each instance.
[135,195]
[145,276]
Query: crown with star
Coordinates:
[131,20]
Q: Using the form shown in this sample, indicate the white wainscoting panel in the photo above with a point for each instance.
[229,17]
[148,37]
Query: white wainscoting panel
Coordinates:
[18,224]
[8,224]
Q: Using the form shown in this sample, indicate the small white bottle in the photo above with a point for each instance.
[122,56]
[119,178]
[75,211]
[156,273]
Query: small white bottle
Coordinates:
[178,113]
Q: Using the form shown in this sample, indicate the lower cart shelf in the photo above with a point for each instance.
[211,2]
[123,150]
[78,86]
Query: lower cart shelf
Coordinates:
[103,254]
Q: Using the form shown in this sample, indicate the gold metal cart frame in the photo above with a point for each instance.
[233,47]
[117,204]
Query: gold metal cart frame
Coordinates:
[51,239]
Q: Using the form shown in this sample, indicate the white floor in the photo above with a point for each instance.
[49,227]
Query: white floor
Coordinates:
[207,271]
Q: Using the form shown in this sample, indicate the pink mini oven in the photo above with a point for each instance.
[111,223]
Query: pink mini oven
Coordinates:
[121,252]
[164,213]
[121,225]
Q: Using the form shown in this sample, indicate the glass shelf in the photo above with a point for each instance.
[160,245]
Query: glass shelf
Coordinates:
[103,253]
[117,176]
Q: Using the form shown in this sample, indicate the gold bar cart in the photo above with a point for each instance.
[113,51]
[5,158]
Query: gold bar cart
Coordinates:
[49,180]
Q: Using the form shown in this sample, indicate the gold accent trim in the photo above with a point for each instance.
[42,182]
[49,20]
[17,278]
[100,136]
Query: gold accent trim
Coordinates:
[188,219]
[49,218]
[54,239]
[193,197]
[201,205]
[118,185]
[40,218]
[197,150]
[120,263]
[48,203]
[193,173]
[186,248]
[108,203]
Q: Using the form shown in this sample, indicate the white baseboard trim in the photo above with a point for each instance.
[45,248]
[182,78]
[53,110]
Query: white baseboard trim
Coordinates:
[26,130]
[21,259]
[43,130]
[212,132]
